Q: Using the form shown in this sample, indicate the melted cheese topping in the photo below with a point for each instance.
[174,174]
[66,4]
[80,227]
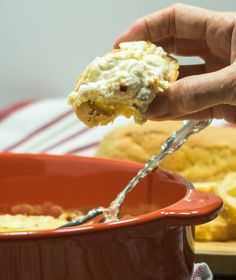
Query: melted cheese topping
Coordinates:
[23,222]
[130,76]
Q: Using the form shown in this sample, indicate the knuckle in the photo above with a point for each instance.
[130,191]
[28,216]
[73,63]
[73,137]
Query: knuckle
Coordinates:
[229,92]
[232,85]
[234,116]
[135,26]
[230,114]
[190,100]
[177,6]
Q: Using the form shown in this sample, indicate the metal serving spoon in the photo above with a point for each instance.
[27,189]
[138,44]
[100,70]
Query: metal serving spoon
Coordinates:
[172,144]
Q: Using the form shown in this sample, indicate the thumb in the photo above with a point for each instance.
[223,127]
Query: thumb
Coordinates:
[195,93]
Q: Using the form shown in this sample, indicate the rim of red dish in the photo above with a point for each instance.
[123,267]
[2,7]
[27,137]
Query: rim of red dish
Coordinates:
[163,213]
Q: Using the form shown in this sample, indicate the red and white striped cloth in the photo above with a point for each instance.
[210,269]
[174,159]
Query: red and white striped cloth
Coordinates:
[201,271]
[50,126]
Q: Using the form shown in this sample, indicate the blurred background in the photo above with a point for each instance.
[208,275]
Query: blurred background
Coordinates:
[46,44]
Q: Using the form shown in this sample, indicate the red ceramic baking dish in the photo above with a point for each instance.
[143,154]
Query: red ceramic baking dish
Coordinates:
[155,243]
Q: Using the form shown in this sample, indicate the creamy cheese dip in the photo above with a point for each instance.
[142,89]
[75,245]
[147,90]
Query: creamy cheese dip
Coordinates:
[123,82]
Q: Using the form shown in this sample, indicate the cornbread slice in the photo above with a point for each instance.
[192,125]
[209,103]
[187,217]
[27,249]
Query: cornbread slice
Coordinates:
[123,82]
[217,230]
[207,156]
[227,190]
[223,228]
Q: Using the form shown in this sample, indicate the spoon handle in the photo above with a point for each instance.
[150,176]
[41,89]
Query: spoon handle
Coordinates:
[172,144]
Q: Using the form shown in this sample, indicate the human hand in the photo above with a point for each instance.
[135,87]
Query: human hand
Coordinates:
[203,91]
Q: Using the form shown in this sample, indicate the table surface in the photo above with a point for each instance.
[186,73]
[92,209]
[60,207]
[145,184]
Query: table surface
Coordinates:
[220,256]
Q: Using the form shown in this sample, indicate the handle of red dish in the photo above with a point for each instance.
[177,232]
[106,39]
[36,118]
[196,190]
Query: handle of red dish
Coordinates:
[196,207]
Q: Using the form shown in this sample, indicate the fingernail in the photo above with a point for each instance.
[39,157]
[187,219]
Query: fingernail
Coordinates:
[158,108]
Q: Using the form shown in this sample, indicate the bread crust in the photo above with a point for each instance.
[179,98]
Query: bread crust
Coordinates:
[207,156]
[94,113]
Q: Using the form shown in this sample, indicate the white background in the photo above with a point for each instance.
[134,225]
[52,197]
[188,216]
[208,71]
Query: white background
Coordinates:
[45,44]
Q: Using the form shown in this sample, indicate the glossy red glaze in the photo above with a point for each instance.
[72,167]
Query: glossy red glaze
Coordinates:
[155,244]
